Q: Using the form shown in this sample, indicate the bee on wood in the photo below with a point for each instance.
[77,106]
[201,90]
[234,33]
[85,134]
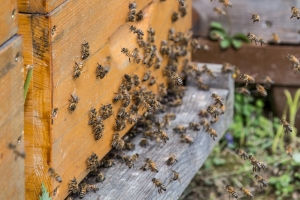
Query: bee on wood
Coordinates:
[152,81]
[132,12]
[73,102]
[122,114]
[261,90]
[295,12]
[146,76]
[175,16]
[135,55]
[262,41]
[159,185]
[181,2]
[101,71]
[244,91]
[54,113]
[255,163]
[162,135]
[286,126]
[118,97]
[255,17]
[222,109]
[217,98]
[246,192]
[134,109]
[130,161]
[275,38]
[117,142]
[231,191]
[85,50]
[174,76]
[175,176]
[220,11]
[187,139]
[139,16]
[171,35]
[172,160]
[182,10]
[195,126]
[92,187]
[106,111]
[73,186]
[201,85]
[144,142]
[100,177]
[83,190]
[208,71]
[136,80]
[252,37]
[242,154]
[195,45]
[295,62]
[164,49]
[152,165]
[92,162]
[247,79]
[179,129]
[77,70]
[203,113]
[226,3]
[55,175]
[213,110]
[145,167]
[132,28]
[157,63]
[228,68]
[108,163]
[129,146]
[213,133]
[177,102]
[262,182]
[126,52]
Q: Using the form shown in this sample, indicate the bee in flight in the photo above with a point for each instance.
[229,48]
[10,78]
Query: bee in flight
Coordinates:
[286,126]
[295,12]
[247,78]
[244,91]
[255,17]
[261,90]
[247,192]
[231,191]
[262,182]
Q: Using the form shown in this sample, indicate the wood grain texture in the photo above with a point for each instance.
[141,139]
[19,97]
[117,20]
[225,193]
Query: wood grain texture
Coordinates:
[124,183]
[38,6]
[8,19]
[11,119]
[278,12]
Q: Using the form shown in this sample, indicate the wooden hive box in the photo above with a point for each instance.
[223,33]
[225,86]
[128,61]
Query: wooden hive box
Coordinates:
[53,43]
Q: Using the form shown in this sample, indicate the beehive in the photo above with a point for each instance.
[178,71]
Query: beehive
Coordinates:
[52,43]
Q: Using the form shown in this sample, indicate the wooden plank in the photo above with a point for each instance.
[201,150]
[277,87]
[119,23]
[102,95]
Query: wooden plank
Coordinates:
[278,12]
[8,19]
[124,183]
[38,6]
[11,118]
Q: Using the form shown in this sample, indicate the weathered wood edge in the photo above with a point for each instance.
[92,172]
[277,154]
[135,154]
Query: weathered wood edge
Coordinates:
[124,183]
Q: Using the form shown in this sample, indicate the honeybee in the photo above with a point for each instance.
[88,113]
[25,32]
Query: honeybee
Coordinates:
[159,185]
[129,146]
[263,165]
[136,80]
[293,59]
[106,111]
[55,175]
[208,71]
[174,76]
[145,167]
[222,109]
[177,102]
[246,192]
[92,162]
[187,139]
[164,49]
[213,110]
[231,191]
[108,163]
[261,41]
[54,113]
[73,186]
[252,37]
[101,71]
[152,81]
[146,76]
[152,165]
[162,135]
[130,160]
[295,12]
[268,82]
[216,36]
[100,177]
[247,78]
[286,126]
[289,150]
[139,16]
[261,90]
[255,163]
[255,17]
[217,98]
[144,142]
[195,126]
[195,45]
[242,154]
[157,63]
[126,52]
[180,129]
[77,70]
[262,182]
[219,11]
[226,3]
[172,160]
[181,2]
[85,50]
[243,91]
[205,123]
[175,176]
[175,16]
[203,113]
[275,38]
[135,55]
[73,102]
[213,133]
[92,187]
[83,190]
[117,142]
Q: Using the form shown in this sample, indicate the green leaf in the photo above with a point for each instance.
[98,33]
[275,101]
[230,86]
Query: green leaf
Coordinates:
[241,36]
[236,43]
[45,193]
[217,26]
[216,32]
[219,161]
[224,44]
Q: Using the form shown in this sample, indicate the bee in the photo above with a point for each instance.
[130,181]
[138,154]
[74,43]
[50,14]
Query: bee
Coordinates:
[118,97]
[180,129]
[175,176]
[145,167]
[100,177]
[213,133]
[172,160]
[208,71]
[83,190]
[171,35]
[151,31]
[139,16]
[261,90]
[175,16]
[108,163]
[85,50]
[135,55]
[242,154]
[132,28]
[92,162]
[217,98]
[73,102]
[261,41]
[195,45]
[117,142]
[246,192]
[275,38]
[262,182]
[152,81]
[126,52]
[295,12]
[203,113]
[205,123]
[130,161]
[195,126]
[187,139]
[101,71]
[19,139]
[263,165]
[243,91]
[174,76]
[164,49]
[201,85]
[157,63]
[247,79]
[146,76]
[162,135]
[252,37]
[54,113]
[152,165]
[222,109]
[226,3]
[77,70]
[159,185]
[213,110]
[73,186]
[256,164]
[289,150]
[106,111]
[228,68]
[231,191]
[295,62]
[55,175]
[219,11]
[136,80]
[92,187]
[55,191]
[144,142]
[286,126]
[255,17]
[216,36]
[129,146]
